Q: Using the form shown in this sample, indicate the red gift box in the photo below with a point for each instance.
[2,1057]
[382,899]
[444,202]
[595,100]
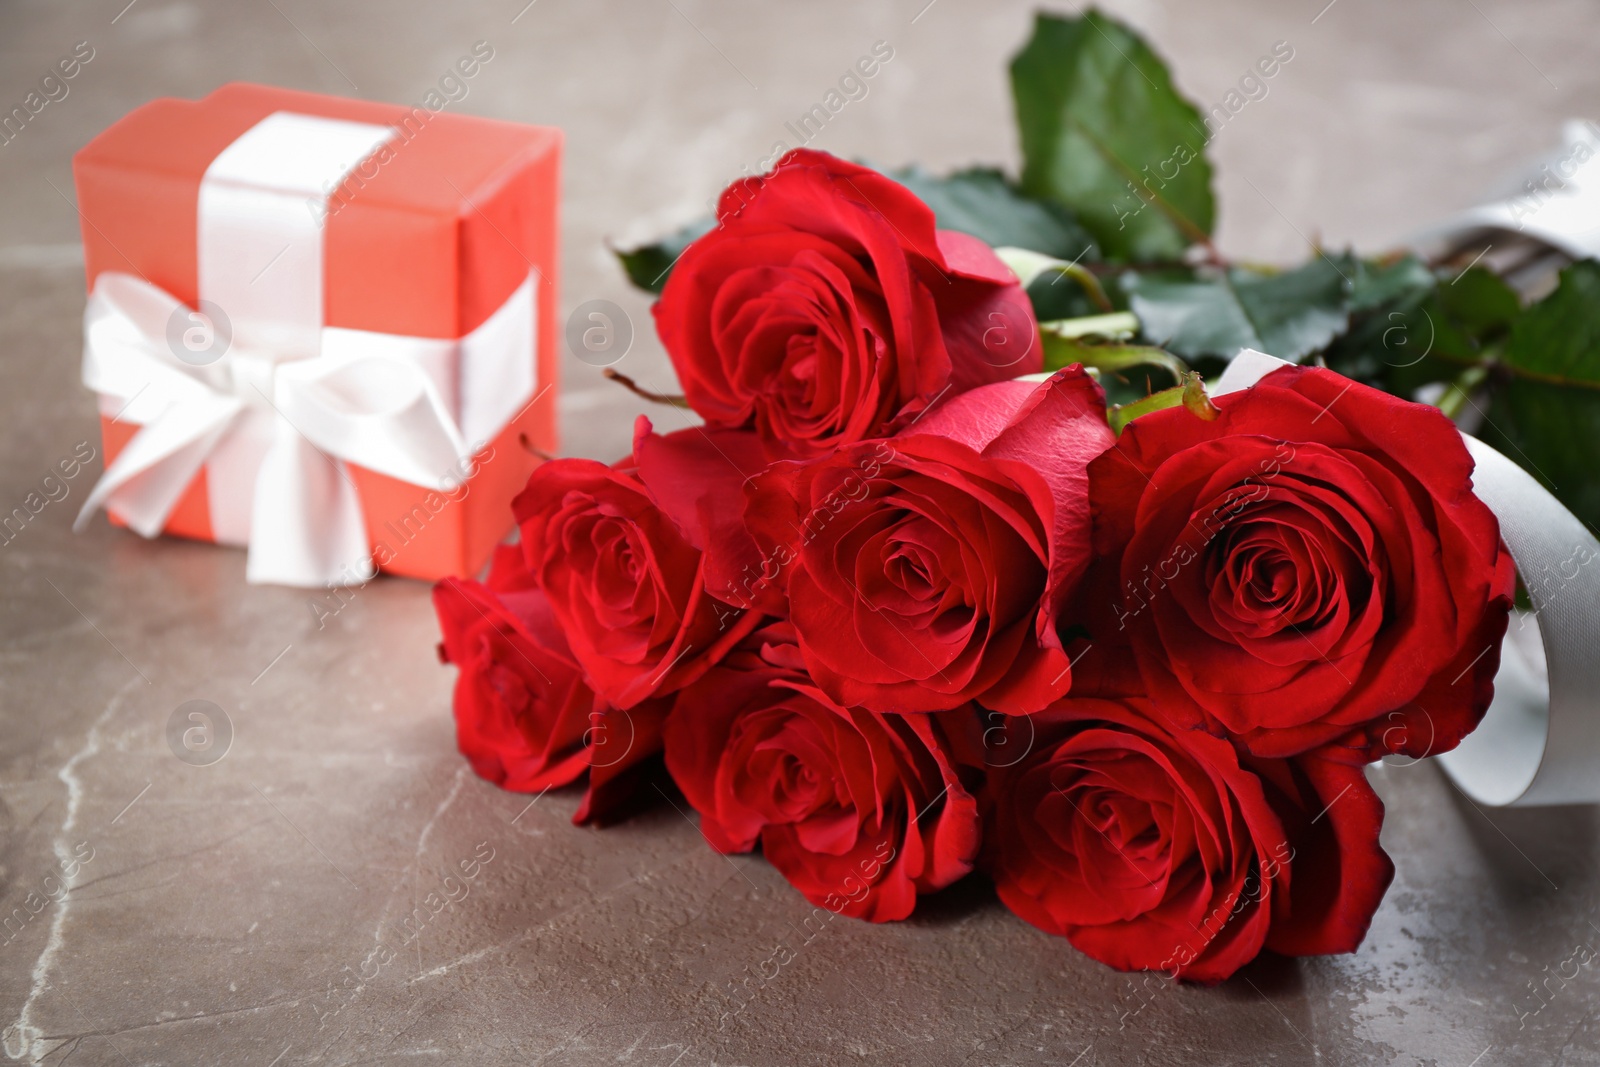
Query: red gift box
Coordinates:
[304,400]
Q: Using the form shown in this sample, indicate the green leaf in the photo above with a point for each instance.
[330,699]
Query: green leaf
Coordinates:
[1413,327]
[1105,134]
[649,265]
[982,202]
[1546,416]
[1392,329]
[1550,431]
[1558,339]
[1374,285]
[1479,303]
[1289,314]
[1464,322]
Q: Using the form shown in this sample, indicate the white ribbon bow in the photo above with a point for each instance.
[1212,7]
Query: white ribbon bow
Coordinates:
[371,404]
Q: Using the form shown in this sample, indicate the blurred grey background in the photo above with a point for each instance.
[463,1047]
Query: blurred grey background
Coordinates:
[229,910]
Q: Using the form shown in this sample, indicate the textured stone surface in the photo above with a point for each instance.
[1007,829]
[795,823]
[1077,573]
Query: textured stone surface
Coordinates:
[228,911]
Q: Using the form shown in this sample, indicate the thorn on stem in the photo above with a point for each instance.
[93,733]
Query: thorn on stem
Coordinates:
[533,449]
[645,394]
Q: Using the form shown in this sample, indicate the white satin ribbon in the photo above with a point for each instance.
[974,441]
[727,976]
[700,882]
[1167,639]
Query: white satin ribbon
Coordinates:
[305,527]
[275,419]
[1539,743]
[1556,200]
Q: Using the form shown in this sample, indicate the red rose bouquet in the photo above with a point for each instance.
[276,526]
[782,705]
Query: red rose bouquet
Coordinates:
[950,581]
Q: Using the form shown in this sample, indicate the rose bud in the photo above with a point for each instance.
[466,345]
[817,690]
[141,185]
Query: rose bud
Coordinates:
[825,308]
[1154,849]
[622,579]
[525,718]
[1310,563]
[928,570]
[861,812]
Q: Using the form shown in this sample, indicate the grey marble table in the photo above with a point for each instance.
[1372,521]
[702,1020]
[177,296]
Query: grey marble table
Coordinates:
[229,913]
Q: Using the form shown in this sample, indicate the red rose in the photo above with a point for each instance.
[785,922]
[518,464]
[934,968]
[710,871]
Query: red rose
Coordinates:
[508,570]
[1154,849]
[525,718]
[859,811]
[927,571]
[698,477]
[825,308]
[1310,563]
[623,580]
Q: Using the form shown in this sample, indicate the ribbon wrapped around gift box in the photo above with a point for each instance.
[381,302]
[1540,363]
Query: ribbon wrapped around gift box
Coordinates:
[320,328]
